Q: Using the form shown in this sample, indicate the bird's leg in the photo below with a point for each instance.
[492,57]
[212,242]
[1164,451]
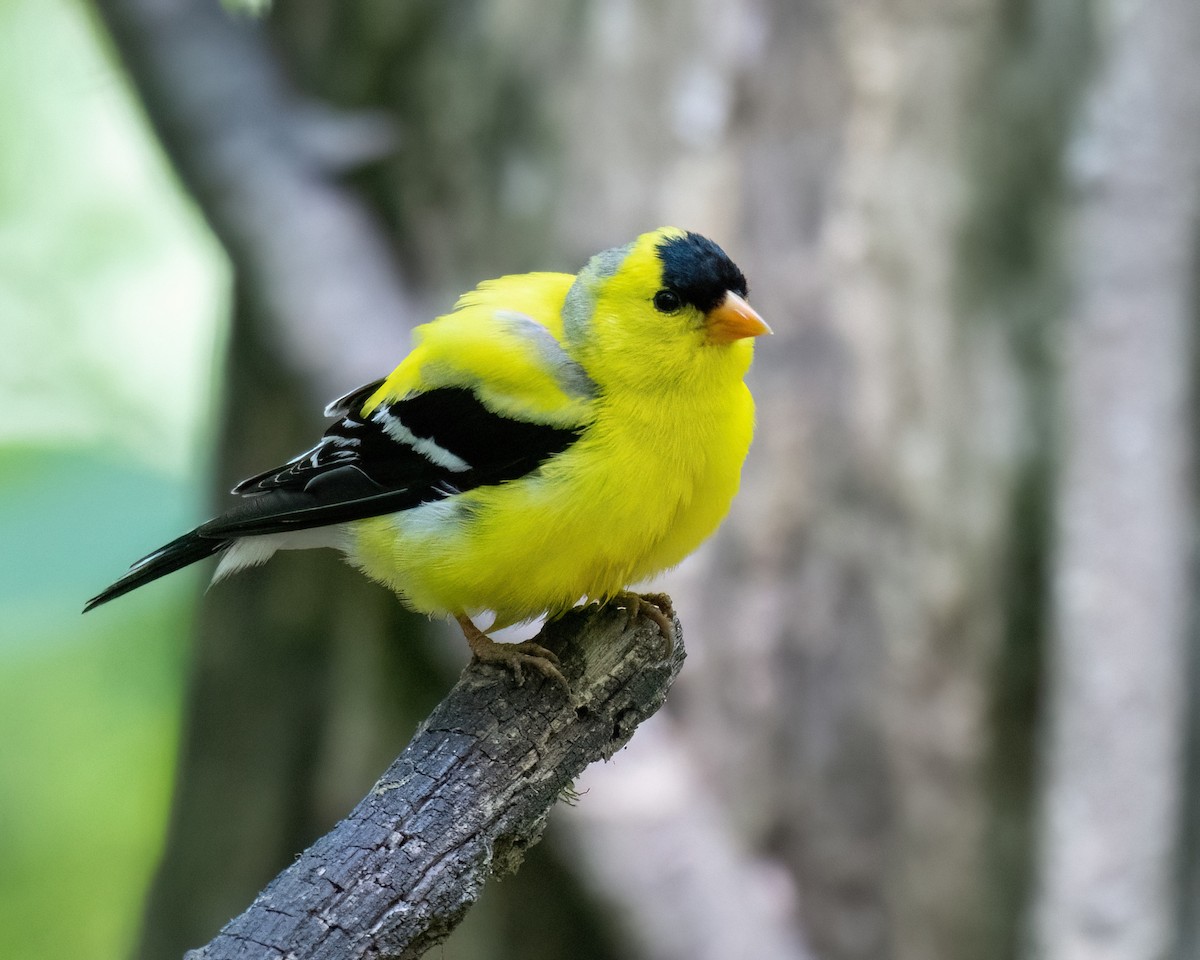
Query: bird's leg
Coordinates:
[656,606]
[515,656]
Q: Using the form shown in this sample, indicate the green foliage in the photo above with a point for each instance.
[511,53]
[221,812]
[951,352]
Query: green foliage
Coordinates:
[89,728]
[109,293]
[88,706]
[109,282]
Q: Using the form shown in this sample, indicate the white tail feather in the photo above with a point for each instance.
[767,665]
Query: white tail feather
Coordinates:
[255,551]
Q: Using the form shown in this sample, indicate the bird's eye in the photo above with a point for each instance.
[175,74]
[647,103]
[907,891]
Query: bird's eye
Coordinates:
[667,301]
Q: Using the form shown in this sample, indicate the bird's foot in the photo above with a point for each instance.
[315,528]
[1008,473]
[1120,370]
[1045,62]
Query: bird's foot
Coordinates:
[656,606]
[514,656]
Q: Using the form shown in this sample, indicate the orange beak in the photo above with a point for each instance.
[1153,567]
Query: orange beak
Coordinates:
[734,319]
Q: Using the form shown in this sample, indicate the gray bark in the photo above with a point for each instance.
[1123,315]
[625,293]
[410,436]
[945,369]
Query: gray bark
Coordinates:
[1113,785]
[937,399]
[468,796]
[888,539]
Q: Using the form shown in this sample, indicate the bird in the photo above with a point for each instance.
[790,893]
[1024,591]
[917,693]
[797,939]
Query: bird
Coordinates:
[553,438]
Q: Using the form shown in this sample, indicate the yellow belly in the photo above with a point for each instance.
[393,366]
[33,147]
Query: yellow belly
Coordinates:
[633,497]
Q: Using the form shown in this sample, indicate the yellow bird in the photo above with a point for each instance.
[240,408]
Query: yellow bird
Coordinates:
[553,438]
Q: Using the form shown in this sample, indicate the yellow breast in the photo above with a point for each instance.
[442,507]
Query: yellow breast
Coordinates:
[640,491]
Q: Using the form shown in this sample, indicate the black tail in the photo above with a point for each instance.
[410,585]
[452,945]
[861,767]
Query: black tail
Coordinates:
[174,556]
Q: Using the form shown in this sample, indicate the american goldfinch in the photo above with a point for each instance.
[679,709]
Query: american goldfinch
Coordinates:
[553,438]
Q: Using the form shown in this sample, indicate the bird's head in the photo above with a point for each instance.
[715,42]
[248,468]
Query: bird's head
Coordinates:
[665,311]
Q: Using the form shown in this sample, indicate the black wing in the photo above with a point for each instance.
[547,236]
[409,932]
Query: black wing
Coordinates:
[422,448]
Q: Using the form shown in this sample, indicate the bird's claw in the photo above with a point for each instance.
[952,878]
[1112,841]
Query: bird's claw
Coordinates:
[514,656]
[517,656]
[656,606]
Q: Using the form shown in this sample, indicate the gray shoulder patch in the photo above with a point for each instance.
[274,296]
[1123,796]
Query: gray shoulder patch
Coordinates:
[581,298]
[569,375]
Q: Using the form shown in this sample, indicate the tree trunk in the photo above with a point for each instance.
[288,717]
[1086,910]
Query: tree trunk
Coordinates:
[1111,801]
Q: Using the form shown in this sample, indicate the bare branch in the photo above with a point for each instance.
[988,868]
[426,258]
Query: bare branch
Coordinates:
[468,796]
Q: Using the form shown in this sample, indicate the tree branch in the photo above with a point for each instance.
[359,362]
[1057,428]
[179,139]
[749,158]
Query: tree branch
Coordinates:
[256,156]
[465,799]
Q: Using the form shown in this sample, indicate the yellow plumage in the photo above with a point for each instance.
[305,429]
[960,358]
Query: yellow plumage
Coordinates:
[620,393]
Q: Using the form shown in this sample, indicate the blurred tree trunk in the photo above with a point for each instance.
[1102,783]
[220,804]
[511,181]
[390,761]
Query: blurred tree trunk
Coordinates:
[1113,794]
[887,553]
[946,290]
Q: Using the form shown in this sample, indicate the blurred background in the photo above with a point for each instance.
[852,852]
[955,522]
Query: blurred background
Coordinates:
[941,695]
